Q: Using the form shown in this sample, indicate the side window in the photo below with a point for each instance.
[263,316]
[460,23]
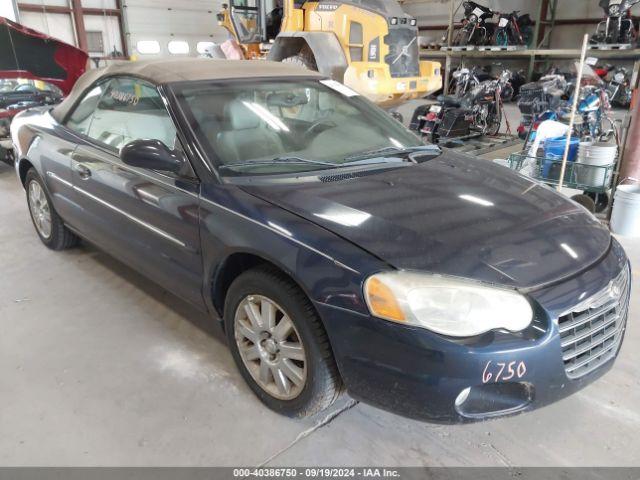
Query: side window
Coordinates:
[80,119]
[129,110]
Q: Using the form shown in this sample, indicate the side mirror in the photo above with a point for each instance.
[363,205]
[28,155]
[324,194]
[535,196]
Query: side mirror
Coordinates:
[152,155]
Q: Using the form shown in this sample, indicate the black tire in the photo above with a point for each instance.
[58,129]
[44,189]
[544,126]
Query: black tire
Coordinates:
[323,384]
[7,156]
[303,59]
[494,122]
[60,238]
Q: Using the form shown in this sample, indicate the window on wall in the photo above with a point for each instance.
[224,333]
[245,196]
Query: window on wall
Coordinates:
[95,43]
[202,47]
[148,47]
[178,47]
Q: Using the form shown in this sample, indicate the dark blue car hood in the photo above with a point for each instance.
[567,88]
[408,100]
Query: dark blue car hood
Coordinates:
[453,215]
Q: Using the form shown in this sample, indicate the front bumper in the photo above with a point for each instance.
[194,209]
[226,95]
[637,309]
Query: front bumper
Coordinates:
[422,375]
[374,81]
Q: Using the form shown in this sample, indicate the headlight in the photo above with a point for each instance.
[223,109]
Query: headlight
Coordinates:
[614,9]
[451,307]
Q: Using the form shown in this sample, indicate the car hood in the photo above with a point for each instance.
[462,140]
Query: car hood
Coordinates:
[26,53]
[453,215]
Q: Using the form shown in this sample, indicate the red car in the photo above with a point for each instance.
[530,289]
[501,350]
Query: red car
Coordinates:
[26,54]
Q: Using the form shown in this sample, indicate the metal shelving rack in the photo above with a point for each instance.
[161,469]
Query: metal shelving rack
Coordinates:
[544,25]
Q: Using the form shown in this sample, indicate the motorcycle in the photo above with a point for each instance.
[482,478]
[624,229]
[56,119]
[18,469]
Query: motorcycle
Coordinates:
[477,113]
[619,88]
[618,28]
[513,29]
[476,27]
[465,79]
[594,108]
[541,101]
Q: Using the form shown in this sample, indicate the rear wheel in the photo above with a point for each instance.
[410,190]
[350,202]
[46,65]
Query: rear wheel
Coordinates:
[47,222]
[279,344]
[494,121]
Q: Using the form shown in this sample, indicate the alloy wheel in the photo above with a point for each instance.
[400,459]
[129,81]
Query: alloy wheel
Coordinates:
[40,210]
[270,347]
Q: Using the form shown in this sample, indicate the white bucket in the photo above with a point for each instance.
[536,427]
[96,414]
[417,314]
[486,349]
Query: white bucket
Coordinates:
[625,217]
[595,155]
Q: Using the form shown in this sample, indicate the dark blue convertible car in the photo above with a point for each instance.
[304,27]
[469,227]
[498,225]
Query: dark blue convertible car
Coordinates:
[336,249]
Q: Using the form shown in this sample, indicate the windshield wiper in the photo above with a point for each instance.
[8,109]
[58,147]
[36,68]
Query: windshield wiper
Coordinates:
[382,152]
[275,161]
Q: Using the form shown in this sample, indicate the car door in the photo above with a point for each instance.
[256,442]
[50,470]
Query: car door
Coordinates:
[55,145]
[147,218]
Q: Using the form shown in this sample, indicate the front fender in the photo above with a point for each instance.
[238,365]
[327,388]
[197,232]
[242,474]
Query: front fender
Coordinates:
[328,268]
[327,51]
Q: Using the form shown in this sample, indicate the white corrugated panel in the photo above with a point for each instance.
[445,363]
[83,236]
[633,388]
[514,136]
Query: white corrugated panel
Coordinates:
[53,3]
[57,25]
[99,3]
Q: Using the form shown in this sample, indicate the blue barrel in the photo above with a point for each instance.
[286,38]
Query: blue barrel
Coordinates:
[554,151]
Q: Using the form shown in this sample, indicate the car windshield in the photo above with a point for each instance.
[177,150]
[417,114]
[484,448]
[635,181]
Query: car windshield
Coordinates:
[280,127]
[23,85]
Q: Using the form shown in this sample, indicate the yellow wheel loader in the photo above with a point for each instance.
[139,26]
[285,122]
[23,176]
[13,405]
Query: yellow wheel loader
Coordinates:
[369,45]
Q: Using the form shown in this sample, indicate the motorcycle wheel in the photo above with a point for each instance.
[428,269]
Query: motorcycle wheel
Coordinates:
[474,37]
[502,39]
[613,36]
[494,121]
[460,38]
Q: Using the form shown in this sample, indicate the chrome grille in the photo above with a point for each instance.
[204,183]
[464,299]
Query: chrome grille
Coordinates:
[591,333]
[404,54]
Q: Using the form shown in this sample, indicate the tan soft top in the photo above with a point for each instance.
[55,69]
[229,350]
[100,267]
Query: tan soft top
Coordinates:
[163,71]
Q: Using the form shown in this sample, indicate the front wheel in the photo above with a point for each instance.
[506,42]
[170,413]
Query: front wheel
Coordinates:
[303,59]
[279,344]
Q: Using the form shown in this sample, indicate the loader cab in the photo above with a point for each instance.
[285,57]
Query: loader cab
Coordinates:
[256,21]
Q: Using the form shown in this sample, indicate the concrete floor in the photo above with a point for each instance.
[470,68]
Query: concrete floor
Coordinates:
[98,366]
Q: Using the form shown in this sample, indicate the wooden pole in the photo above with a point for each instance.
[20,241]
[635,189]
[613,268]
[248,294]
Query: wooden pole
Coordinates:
[574,108]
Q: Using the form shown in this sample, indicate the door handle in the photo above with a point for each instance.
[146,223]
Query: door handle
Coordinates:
[82,171]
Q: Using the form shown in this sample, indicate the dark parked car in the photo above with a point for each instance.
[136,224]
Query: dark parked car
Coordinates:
[334,246]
